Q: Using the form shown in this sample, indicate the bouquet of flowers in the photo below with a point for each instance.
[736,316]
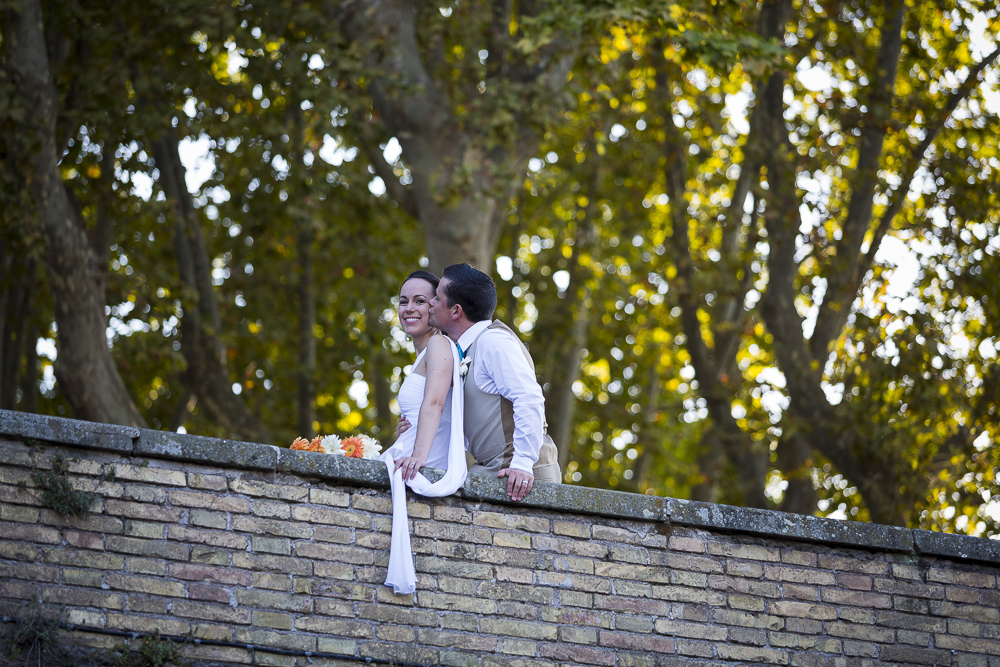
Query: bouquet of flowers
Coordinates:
[355,446]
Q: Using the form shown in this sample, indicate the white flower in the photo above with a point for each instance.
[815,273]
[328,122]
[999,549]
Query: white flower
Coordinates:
[331,444]
[463,367]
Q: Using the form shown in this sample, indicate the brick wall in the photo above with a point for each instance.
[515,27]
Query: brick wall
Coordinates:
[241,544]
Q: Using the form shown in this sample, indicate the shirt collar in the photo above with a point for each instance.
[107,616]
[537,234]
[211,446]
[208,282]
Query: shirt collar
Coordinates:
[472,333]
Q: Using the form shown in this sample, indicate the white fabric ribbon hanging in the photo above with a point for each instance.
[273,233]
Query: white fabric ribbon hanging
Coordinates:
[402,574]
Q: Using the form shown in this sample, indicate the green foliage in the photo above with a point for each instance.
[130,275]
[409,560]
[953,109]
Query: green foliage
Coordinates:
[152,651]
[58,492]
[35,633]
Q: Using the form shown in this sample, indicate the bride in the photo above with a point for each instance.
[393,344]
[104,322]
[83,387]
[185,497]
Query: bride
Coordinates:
[430,432]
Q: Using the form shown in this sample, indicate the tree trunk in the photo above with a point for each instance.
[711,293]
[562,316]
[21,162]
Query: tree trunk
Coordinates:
[306,376]
[206,375]
[84,368]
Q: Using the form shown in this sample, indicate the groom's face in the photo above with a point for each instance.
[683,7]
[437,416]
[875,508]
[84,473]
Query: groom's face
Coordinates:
[439,307]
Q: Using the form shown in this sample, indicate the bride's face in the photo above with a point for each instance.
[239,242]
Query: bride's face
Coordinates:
[414,306]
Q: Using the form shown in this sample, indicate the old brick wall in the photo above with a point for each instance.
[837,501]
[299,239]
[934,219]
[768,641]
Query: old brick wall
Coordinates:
[239,544]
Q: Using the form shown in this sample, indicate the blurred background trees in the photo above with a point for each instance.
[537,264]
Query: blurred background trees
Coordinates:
[753,248]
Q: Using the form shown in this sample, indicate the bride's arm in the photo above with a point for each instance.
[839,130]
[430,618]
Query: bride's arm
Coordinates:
[438,381]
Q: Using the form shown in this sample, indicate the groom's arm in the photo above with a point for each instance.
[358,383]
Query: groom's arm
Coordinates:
[502,369]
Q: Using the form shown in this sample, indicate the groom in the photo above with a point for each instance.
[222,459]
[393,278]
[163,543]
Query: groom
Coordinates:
[504,406]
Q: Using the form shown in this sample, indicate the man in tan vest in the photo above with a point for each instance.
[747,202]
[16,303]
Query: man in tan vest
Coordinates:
[504,406]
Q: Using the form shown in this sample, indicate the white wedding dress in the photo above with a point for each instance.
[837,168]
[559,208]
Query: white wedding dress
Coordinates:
[447,451]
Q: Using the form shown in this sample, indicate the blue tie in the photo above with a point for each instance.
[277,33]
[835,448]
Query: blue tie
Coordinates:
[461,354]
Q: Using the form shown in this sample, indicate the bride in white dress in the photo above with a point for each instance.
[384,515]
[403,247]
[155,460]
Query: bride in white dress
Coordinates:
[430,433]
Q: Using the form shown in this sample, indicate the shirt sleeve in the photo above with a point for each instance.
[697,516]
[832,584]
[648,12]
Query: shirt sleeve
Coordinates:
[500,368]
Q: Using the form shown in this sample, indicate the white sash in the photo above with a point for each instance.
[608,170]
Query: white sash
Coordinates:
[402,575]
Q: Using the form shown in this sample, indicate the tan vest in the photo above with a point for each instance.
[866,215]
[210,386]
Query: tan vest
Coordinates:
[489,424]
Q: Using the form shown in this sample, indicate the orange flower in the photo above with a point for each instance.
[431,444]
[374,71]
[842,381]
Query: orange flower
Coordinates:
[306,445]
[353,446]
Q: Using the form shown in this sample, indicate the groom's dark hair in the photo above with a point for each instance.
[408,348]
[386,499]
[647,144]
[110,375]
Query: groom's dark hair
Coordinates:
[472,289]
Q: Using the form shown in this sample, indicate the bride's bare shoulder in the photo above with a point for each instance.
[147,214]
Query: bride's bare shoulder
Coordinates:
[439,343]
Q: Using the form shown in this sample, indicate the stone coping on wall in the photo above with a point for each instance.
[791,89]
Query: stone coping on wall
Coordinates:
[222,452]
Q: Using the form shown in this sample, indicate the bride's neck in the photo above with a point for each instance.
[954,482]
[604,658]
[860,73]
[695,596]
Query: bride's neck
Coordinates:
[420,342]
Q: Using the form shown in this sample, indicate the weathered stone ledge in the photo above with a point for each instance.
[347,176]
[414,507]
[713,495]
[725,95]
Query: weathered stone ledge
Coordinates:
[556,497]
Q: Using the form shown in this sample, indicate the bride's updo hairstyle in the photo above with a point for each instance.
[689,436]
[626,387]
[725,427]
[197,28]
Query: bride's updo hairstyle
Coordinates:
[423,274]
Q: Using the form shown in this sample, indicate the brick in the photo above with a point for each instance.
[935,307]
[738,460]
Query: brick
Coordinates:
[507,646]
[803,609]
[917,590]
[469,534]
[580,582]
[452,514]
[453,585]
[20,532]
[804,642]
[150,475]
[913,637]
[148,585]
[334,552]
[398,615]
[461,622]
[77,597]
[75,558]
[685,594]
[333,517]
[682,578]
[271,600]
[767,589]
[215,538]
[207,482]
[746,602]
[834,561]
[692,563]
[630,588]
[506,627]
[505,521]
[690,630]
[337,534]
[631,605]
[961,595]
[861,632]
[466,641]
[209,501]
[912,654]
[158,548]
[910,621]
[749,636]
[208,593]
[977,645]
[153,566]
[219,613]
[270,509]
[328,497]
[800,592]
[293,641]
[271,545]
[628,554]
[76,538]
[752,654]
[396,633]
[274,581]
[18,551]
[376,504]
[144,529]
[743,568]
[855,582]
[746,619]
[627,623]
[965,628]
[517,610]
[272,527]
[514,557]
[208,573]
[856,598]
[137,623]
[571,529]
[578,617]
[74,577]
[208,519]
[143,511]
[271,563]
[145,494]
[632,572]
[209,556]
[689,544]
[517,592]
[796,557]
[799,575]
[19,513]
[255,488]
[515,574]
[569,547]
[968,612]
[216,632]
[271,619]
[574,564]
[512,540]
[217,654]
[455,603]
[328,607]
[579,654]
[29,572]
[578,635]
[748,551]
[943,575]
[381,542]
[333,570]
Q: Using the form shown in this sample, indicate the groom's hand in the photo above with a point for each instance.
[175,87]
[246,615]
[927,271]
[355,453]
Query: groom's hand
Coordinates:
[518,482]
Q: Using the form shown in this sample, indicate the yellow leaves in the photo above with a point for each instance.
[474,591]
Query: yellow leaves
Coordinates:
[348,273]
[600,370]
[349,422]
[253,328]
[93,171]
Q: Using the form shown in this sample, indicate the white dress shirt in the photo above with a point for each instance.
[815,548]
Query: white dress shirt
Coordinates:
[499,367]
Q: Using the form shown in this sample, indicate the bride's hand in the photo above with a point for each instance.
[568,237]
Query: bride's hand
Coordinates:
[402,426]
[410,466]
